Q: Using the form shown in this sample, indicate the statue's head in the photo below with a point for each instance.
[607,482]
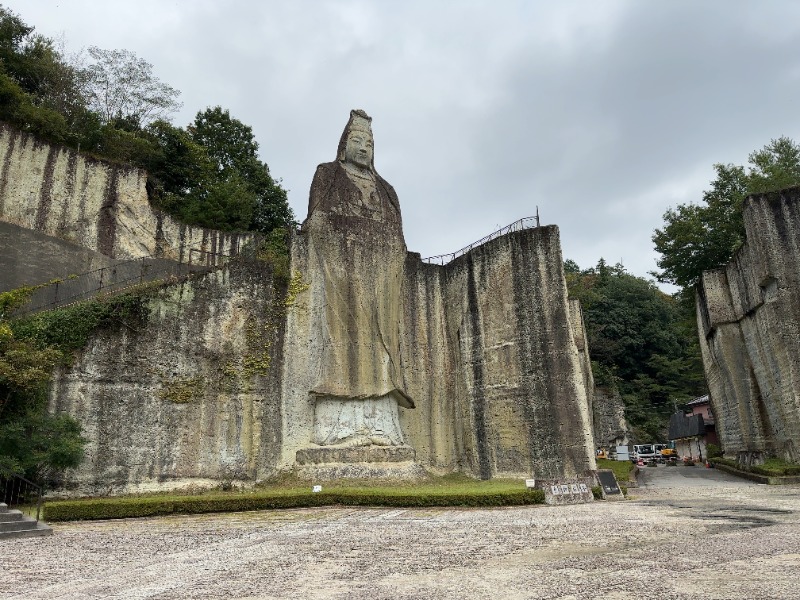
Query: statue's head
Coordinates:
[356,144]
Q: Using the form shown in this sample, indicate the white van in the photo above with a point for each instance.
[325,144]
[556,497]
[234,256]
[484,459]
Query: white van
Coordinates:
[644,452]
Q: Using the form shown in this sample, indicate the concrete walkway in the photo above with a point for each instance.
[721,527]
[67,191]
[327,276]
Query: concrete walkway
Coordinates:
[680,476]
[726,540]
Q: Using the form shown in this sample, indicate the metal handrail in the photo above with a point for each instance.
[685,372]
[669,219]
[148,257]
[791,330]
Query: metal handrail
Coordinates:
[17,491]
[145,272]
[524,223]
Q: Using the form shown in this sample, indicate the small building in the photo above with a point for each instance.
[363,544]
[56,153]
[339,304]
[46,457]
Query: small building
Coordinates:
[694,429]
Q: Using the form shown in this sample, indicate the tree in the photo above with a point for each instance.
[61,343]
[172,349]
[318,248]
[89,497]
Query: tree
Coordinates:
[121,86]
[179,165]
[39,91]
[700,237]
[16,37]
[638,343]
[31,439]
[233,151]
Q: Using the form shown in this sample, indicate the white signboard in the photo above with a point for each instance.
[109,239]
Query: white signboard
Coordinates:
[622,453]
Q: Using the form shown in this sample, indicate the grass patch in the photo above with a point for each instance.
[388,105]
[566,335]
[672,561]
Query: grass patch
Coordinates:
[291,493]
[622,468]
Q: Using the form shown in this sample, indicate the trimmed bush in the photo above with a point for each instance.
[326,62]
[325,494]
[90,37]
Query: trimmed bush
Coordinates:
[150,506]
[775,467]
[772,467]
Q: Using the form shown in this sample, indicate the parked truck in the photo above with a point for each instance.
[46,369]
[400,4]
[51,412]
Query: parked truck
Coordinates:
[644,452]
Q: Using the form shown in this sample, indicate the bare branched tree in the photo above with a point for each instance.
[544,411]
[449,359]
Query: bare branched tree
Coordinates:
[121,87]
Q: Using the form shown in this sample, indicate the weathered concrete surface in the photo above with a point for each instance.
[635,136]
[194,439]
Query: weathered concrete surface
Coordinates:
[28,257]
[94,204]
[191,397]
[729,541]
[749,321]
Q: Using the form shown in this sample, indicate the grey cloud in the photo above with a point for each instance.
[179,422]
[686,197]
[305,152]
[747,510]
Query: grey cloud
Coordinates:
[601,113]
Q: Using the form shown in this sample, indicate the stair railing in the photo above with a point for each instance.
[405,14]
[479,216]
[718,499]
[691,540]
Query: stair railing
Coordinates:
[118,278]
[519,225]
[21,493]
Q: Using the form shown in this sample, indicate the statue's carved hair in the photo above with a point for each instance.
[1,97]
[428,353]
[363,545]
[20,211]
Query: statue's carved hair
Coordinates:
[357,116]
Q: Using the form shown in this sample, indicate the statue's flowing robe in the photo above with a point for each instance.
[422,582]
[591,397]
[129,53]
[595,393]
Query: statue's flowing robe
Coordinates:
[356,261]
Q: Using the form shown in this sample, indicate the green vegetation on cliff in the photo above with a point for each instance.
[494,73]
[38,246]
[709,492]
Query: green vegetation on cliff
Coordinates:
[32,440]
[110,105]
[640,342]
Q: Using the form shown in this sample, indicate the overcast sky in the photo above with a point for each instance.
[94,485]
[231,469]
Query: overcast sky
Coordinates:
[601,113]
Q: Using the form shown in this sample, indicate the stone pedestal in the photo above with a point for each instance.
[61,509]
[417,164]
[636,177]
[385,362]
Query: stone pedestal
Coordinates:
[356,462]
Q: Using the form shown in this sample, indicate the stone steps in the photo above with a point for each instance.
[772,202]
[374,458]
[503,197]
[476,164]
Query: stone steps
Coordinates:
[14,524]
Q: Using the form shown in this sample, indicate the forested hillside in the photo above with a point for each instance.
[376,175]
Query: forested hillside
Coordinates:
[108,103]
[641,343]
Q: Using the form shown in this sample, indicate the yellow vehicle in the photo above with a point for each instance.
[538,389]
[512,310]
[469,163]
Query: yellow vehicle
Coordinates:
[601,453]
[666,452]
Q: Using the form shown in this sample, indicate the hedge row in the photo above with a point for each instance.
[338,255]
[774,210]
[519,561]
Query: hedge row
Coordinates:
[120,508]
[771,468]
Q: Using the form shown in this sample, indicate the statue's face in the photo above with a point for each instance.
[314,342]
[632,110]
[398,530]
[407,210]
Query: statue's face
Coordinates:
[358,149]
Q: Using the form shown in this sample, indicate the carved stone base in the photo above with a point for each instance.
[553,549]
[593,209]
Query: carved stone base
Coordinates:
[358,462]
[355,454]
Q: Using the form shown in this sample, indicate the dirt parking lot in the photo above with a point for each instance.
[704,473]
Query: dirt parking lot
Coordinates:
[686,533]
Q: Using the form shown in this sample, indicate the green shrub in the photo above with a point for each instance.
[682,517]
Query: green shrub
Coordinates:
[597,492]
[119,508]
[713,451]
[775,467]
[772,467]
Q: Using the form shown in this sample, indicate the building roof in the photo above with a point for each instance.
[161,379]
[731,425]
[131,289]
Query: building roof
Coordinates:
[699,401]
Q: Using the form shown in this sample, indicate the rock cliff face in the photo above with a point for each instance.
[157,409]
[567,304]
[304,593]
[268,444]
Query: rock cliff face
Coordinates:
[749,320]
[94,204]
[610,426]
[189,397]
[490,356]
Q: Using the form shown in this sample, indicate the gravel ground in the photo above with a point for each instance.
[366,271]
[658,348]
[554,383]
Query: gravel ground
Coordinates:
[686,533]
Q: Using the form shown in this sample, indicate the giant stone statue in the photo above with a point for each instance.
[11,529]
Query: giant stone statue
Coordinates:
[355,240]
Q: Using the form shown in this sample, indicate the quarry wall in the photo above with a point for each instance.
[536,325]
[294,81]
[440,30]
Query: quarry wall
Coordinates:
[93,204]
[749,321]
[191,396]
[492,350]
[214,384]
[490,357]
[29,257]
[520,361]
